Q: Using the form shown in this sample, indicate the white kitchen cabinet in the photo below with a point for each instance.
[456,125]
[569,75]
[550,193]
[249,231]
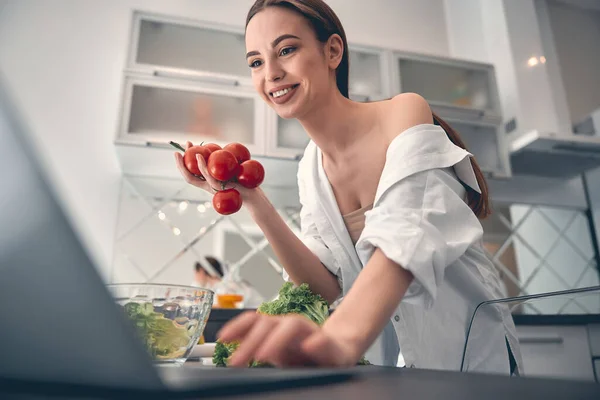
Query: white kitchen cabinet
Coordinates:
[486,142]
[158,110]
[188,50]
[369,80]
[556,351]
[188,80]
[465,95]
[455,89]
[287,139]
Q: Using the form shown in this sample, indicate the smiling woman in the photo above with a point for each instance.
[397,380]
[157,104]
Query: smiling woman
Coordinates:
[294,60]
[390,215]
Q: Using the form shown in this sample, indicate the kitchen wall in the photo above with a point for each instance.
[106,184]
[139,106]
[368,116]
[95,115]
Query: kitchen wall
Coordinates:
[63,62]
[579,64]
[552,246]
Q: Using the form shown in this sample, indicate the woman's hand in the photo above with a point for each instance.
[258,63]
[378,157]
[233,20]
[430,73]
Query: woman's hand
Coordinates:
[209,183]
[285,341]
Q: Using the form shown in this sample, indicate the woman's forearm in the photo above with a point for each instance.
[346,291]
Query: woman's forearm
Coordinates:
[302,265]
[369,304]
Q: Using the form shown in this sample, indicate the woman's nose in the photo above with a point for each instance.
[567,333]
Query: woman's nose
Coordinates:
[274,72]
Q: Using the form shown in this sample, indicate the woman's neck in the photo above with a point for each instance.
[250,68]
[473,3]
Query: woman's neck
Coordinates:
[336,123]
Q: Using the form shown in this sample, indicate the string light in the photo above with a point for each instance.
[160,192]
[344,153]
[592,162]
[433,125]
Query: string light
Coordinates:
[533,61]
[183,206]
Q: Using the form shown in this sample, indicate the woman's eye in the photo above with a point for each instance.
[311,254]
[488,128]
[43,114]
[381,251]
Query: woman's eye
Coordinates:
[255,63]
[287,50]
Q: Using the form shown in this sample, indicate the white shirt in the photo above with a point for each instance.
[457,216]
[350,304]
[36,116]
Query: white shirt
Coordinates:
[421,221]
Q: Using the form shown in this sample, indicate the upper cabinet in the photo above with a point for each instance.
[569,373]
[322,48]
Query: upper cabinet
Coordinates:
[173,48]
[454,89]
[188,80]
[159,110]
[369,80]
[369,75]
[465,95]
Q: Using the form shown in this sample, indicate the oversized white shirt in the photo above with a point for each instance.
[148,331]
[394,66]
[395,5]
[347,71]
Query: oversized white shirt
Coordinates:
[421,221]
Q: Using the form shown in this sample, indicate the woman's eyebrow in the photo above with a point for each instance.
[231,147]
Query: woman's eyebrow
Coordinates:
[273,43]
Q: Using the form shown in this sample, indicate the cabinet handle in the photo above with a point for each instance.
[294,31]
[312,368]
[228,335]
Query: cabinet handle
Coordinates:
[474,113]
[541,340]
[196,76]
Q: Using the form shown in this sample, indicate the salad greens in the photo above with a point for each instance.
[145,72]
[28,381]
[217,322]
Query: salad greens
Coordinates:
[163,337]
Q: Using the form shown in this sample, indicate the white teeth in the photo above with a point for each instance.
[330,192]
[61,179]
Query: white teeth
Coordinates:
[280,93]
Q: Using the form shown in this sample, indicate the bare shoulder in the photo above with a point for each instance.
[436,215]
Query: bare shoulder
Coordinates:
[405,111]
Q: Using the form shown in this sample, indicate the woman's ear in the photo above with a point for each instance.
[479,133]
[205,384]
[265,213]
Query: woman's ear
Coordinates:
[334,50]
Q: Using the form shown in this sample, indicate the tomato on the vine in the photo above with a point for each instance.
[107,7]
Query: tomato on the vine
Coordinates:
[252,174]
[212,147]
[240,151]
[223,166]
[227,201]
[190,161]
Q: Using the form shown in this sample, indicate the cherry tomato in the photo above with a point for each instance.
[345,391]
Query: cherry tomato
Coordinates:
[189,158]
[223,166]
[251,174]
[227,201]
[212,147]
[240,151]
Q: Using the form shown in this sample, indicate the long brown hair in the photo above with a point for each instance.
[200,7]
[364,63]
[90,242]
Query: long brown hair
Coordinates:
[324,23]
[479,203]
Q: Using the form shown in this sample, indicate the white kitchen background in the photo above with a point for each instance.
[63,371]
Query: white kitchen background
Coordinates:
[90,77]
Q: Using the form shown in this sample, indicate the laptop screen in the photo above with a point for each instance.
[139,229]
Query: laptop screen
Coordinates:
[58,321]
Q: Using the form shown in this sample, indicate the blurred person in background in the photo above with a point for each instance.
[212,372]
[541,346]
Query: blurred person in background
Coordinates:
[224,282]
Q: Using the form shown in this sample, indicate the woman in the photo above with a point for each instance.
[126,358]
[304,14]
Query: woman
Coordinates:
[390,208]
[205,279]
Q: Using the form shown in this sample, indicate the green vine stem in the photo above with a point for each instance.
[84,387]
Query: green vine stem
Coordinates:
[177,146]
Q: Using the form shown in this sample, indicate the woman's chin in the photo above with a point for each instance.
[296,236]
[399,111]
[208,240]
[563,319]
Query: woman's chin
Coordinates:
[286,112]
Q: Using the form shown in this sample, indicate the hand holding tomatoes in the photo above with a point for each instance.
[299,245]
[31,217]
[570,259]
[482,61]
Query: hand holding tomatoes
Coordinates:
[219,170]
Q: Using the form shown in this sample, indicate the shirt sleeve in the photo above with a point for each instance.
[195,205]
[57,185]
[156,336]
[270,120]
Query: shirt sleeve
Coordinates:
[423,224]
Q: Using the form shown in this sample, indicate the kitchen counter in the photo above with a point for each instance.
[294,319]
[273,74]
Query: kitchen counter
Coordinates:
[364,383]
[219,316]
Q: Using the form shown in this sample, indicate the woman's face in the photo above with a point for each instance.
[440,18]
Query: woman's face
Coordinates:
[289,66]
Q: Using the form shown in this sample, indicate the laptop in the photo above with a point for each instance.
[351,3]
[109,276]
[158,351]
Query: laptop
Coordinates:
[60,330]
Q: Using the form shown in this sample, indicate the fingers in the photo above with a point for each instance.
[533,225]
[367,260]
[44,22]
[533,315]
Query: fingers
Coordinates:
[188,144]
[251,342]
[187,175]
[283,347]
[213,183]
[272,339]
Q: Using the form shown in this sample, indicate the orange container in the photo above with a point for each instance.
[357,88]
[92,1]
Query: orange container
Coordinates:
[228,300]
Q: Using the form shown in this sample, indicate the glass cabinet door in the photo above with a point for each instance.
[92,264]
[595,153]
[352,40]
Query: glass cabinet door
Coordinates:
[158,111]
[365,79]
[468,89]
[367,82]
[290,138]
[484,142]
[179,48]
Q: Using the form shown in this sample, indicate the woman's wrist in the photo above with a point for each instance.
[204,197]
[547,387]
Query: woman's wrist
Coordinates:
[256,202]
[349,337]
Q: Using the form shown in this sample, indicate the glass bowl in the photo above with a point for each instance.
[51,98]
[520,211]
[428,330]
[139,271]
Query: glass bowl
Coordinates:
[169,319]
